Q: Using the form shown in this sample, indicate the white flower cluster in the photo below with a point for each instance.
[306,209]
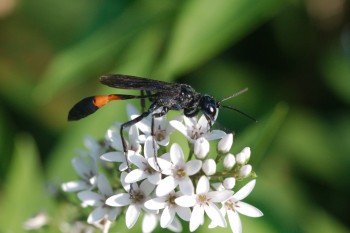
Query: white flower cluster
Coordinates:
[164,187]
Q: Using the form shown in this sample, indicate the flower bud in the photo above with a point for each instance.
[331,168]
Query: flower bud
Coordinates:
[229,161]
[229,182]
[209,167]
[201,148]
[225,143]
[246,151]
[245,171]
[243,156]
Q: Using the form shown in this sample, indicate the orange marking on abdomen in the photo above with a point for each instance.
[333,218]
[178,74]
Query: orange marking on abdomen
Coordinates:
[101,100]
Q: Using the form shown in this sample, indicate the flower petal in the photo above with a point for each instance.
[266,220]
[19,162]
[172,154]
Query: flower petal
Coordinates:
[203,123]
[156,203]
[235,221]
[151,147]
[193,166]
[244,191]
[149,223]
[167,216]
[176,154]
[132,110]
[183,212]
[137,159]
[81,167]
[91,144]
[135,175]
[164,165]
[125,185]
[96,215]
[248,210]
[214,214]
[104,185]
[114,137]
[90,198]
[220,196]
[175,226]
[202,185]
[131,216]
[154,178]
[114,156]
[147,187]
[214,135]
[186,186]
[165,141]
[113,213]
[197,217]
[75,186]
[179,127]
[121,199]
[190,122]
[186,200]
[166,185]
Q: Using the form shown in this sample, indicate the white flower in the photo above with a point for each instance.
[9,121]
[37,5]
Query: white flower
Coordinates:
[234,205]
[194,130]
[162,128]
[87,171]
[209,167]
[201,148]
[97,200]
[150,221]
[144,170]
[103,225]
[113,136]
[94,148]
[177,171]
[243,156]
[36,222]
[245,171]
[229,161]
[115,141]
[204,201]
[225,143]
[170,208]
[135,202]
[76,226]
[229,182]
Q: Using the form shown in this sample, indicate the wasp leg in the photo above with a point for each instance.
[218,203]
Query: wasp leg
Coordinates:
[156,115]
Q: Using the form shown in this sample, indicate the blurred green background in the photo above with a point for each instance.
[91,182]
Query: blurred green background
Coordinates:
[294,56]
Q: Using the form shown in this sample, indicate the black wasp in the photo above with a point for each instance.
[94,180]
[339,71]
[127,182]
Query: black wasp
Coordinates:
[163,95]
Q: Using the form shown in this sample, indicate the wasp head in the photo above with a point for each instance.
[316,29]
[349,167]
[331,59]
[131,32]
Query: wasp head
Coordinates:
[209,108]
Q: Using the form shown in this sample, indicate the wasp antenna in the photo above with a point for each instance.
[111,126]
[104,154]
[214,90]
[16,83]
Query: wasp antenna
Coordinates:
[234,95]
[235,109]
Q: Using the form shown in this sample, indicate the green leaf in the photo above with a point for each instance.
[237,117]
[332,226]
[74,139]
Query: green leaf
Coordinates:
[24,193]
[336,72]
[204,28]
[99,51]
[261,136]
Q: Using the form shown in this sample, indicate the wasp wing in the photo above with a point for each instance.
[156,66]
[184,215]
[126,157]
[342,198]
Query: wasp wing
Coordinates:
[137,83]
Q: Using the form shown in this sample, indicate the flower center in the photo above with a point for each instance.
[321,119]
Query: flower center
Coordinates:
[148,169]
[138,197]
[180,173]
[196,132]
[231,204]
[160,134]
[202,199]
[171,200]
